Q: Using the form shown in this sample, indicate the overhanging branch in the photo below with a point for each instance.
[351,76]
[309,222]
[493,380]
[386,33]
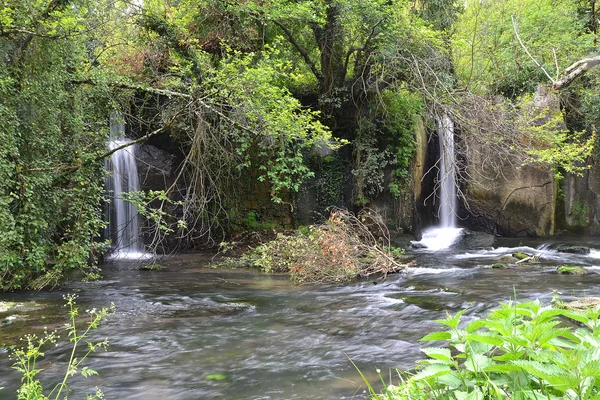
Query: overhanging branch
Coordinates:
[575,70]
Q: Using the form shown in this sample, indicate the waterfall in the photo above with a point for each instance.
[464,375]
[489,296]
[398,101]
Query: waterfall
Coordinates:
[124,222]
[447,178]
[446,233]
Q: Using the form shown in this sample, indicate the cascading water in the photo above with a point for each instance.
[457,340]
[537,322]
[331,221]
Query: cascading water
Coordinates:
[124,224]
[444,235]
[447,178]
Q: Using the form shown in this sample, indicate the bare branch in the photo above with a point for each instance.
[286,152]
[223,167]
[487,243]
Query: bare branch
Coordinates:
[527,51]
[576,70]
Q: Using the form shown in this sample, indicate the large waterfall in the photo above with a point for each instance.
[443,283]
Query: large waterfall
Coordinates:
[446,233]
[124,222]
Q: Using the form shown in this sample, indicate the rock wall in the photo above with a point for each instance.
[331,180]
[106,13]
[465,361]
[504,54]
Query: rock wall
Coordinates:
[502,196]
[580,206]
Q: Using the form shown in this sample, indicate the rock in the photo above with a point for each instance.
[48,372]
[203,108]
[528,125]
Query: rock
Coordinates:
[423,302]
[573,249]
[581,305]
[474,240]
[417,245]
[571,270]
[502,199]
[499,266]
[520,255]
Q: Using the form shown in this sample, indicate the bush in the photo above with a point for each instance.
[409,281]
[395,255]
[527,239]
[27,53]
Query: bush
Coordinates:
[344,248]
[519,351]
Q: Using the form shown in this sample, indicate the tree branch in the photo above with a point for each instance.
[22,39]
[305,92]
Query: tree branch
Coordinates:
[302,52]
[576,70]
[527,51]
[363,48]
[12,31]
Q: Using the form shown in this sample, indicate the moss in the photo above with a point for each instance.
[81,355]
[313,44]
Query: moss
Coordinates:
[571,270]
[520,255]
[426,303]
[498,266]
[216,377]
[152,267]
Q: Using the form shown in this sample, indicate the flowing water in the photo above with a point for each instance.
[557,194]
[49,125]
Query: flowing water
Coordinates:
[176,327]
[447,176]
[446,233]
[123,219]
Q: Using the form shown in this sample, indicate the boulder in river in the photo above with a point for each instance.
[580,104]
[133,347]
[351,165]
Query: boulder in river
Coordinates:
[573,249]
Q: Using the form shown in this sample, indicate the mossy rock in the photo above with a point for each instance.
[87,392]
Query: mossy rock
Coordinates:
[499,266]
[571,270]
[520,255]
[425,303]
[216,377]
[152,267]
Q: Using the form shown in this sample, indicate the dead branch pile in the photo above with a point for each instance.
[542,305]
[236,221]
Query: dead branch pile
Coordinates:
[344,248]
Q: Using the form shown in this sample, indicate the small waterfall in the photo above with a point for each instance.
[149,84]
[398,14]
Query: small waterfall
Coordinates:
[123,218]
[447,178]
[443,236]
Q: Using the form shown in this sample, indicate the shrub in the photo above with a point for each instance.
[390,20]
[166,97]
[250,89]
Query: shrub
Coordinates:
[344,248]
[520,351]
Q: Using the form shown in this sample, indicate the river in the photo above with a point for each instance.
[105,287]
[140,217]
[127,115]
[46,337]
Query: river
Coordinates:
[192,332]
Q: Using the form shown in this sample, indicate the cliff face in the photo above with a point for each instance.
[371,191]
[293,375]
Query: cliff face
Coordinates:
[502,195]
[580,205]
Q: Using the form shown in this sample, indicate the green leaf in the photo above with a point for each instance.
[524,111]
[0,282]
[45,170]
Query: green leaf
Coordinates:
[432,371]
[436,336]
[438,353]
[477,362]
[486,337]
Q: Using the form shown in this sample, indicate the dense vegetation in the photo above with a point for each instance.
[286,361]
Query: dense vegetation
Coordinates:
[248,88]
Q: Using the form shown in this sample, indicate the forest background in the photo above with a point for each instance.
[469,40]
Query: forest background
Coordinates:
[237,86]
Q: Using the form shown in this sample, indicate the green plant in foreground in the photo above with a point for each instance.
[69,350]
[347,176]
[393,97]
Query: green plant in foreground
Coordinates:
[520,351]
[26,357]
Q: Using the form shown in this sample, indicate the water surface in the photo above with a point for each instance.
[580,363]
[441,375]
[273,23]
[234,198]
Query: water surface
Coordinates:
[269,339]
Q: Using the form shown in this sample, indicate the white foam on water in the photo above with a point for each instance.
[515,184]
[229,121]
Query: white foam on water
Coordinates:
[129,255]
[439,238]
[425,270]
[594,253]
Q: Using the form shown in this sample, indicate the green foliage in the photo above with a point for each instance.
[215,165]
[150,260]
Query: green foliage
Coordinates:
[251,222]
[580,212]
[26,358]
[275,124]
[518,351]
[489,58]
[551,143]
[52,130]
[153,205]
[331,177]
